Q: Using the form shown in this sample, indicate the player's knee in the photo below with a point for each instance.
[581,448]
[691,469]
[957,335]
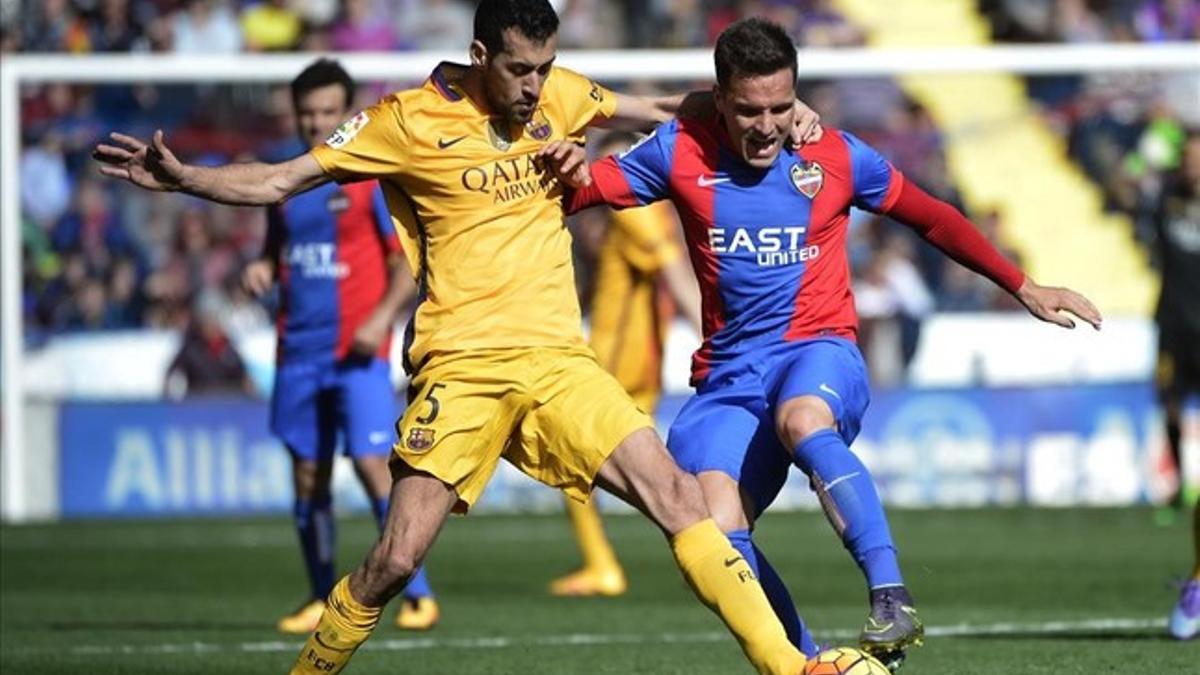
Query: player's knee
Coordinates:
[799,421]
[396,563]
[306,480]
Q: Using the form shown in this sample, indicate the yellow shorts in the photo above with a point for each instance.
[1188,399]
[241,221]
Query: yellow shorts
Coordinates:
[555,414]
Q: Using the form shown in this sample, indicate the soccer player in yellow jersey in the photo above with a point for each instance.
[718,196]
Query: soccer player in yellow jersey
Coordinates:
[638,259]
[499,366]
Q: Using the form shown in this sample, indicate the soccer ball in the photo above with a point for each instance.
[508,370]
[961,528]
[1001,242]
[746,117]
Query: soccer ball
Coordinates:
[844,661]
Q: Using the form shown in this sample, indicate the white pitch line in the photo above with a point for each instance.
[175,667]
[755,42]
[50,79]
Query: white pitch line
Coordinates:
[500,642]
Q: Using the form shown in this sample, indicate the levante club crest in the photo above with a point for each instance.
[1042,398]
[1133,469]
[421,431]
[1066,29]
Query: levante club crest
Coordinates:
[419,439]
[808,178]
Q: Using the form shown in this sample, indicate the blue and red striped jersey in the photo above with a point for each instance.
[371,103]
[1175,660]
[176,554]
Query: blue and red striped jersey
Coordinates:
[768,245]
[335,242]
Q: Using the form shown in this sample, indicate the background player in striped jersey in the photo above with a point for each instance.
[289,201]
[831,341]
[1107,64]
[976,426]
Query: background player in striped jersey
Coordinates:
[641,278]
[779,379]
[342,281]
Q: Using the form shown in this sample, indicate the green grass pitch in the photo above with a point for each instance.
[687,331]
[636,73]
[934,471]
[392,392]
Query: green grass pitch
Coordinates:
[1004,591]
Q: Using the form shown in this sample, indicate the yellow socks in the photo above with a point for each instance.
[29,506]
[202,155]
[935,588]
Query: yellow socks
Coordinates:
[344,626]
[723,580]
[597,553]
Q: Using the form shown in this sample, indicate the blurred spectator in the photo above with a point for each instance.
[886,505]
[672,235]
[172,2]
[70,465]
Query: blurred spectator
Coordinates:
[205,26]
[116,29]
[361,28]
[437,24]
[588,24]
[1161,20]
[207,362]
[92,227]
[892,299]
[271,26]
[1075,22]
[54,26]
[45,184]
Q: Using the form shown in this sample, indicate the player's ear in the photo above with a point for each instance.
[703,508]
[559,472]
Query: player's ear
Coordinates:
[479,54]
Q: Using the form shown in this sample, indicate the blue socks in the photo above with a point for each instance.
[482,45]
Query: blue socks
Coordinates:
[314,525]
[850,501]
[418,586]
[777,592]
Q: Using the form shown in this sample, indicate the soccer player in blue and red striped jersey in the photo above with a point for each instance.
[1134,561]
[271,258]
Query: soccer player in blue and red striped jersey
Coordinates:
[342,280]
[779,379]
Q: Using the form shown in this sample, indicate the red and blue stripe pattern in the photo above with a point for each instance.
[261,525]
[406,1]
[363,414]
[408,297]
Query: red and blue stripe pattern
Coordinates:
[333,268]
[768,245]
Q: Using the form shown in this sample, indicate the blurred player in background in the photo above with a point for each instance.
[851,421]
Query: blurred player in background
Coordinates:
[342,281]
[779,379]
[639,260]
[1178,316]
[495,347]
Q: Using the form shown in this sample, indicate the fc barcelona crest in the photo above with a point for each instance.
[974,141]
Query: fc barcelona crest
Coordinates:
[539,127]
[808,178]
[419,439]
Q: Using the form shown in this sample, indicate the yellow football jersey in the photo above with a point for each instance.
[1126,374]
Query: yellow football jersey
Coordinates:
[481,222]
[629,316]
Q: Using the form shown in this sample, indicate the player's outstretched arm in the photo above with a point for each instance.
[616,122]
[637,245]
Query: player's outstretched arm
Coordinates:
[1049,303]
[943,226]
[154,167]
[640,113]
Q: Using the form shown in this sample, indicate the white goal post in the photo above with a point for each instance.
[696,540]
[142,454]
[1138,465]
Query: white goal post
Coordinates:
[692,64]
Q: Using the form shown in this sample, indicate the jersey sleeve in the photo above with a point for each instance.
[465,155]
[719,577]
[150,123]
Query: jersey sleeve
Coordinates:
[645,168]
[383,220]
[372,143]
[581,100]
[876,182]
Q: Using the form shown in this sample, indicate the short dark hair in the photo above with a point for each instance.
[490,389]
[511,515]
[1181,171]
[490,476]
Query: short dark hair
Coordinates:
[753,46]
[535,19]
[322,73]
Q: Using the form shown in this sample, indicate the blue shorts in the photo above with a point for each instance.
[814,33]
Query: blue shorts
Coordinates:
[729,424]
[315,402]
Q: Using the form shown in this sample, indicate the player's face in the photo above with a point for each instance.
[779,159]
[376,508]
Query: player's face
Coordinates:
[319,112]
[513,78]
[758,112]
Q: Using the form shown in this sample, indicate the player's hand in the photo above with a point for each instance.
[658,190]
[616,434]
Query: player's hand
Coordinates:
[568,161]
[152,166]
[807,126]
[370,335]
[1049,303]
[258,277]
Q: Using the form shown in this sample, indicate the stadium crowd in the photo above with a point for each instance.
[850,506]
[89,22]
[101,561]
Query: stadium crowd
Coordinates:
[100,256]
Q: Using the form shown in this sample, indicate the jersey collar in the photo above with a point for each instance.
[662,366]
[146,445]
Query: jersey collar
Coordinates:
[444,79]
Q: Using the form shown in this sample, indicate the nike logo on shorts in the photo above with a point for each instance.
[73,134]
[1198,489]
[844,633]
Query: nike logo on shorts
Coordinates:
[829,390]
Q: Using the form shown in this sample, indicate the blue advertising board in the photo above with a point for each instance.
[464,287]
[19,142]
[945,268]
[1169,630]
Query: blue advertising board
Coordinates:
[1096,444]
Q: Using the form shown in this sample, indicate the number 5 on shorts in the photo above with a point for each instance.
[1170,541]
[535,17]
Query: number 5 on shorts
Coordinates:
[435,406]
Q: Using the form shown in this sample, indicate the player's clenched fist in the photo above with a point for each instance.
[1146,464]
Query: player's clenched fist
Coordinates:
[568,161]
[152,166]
